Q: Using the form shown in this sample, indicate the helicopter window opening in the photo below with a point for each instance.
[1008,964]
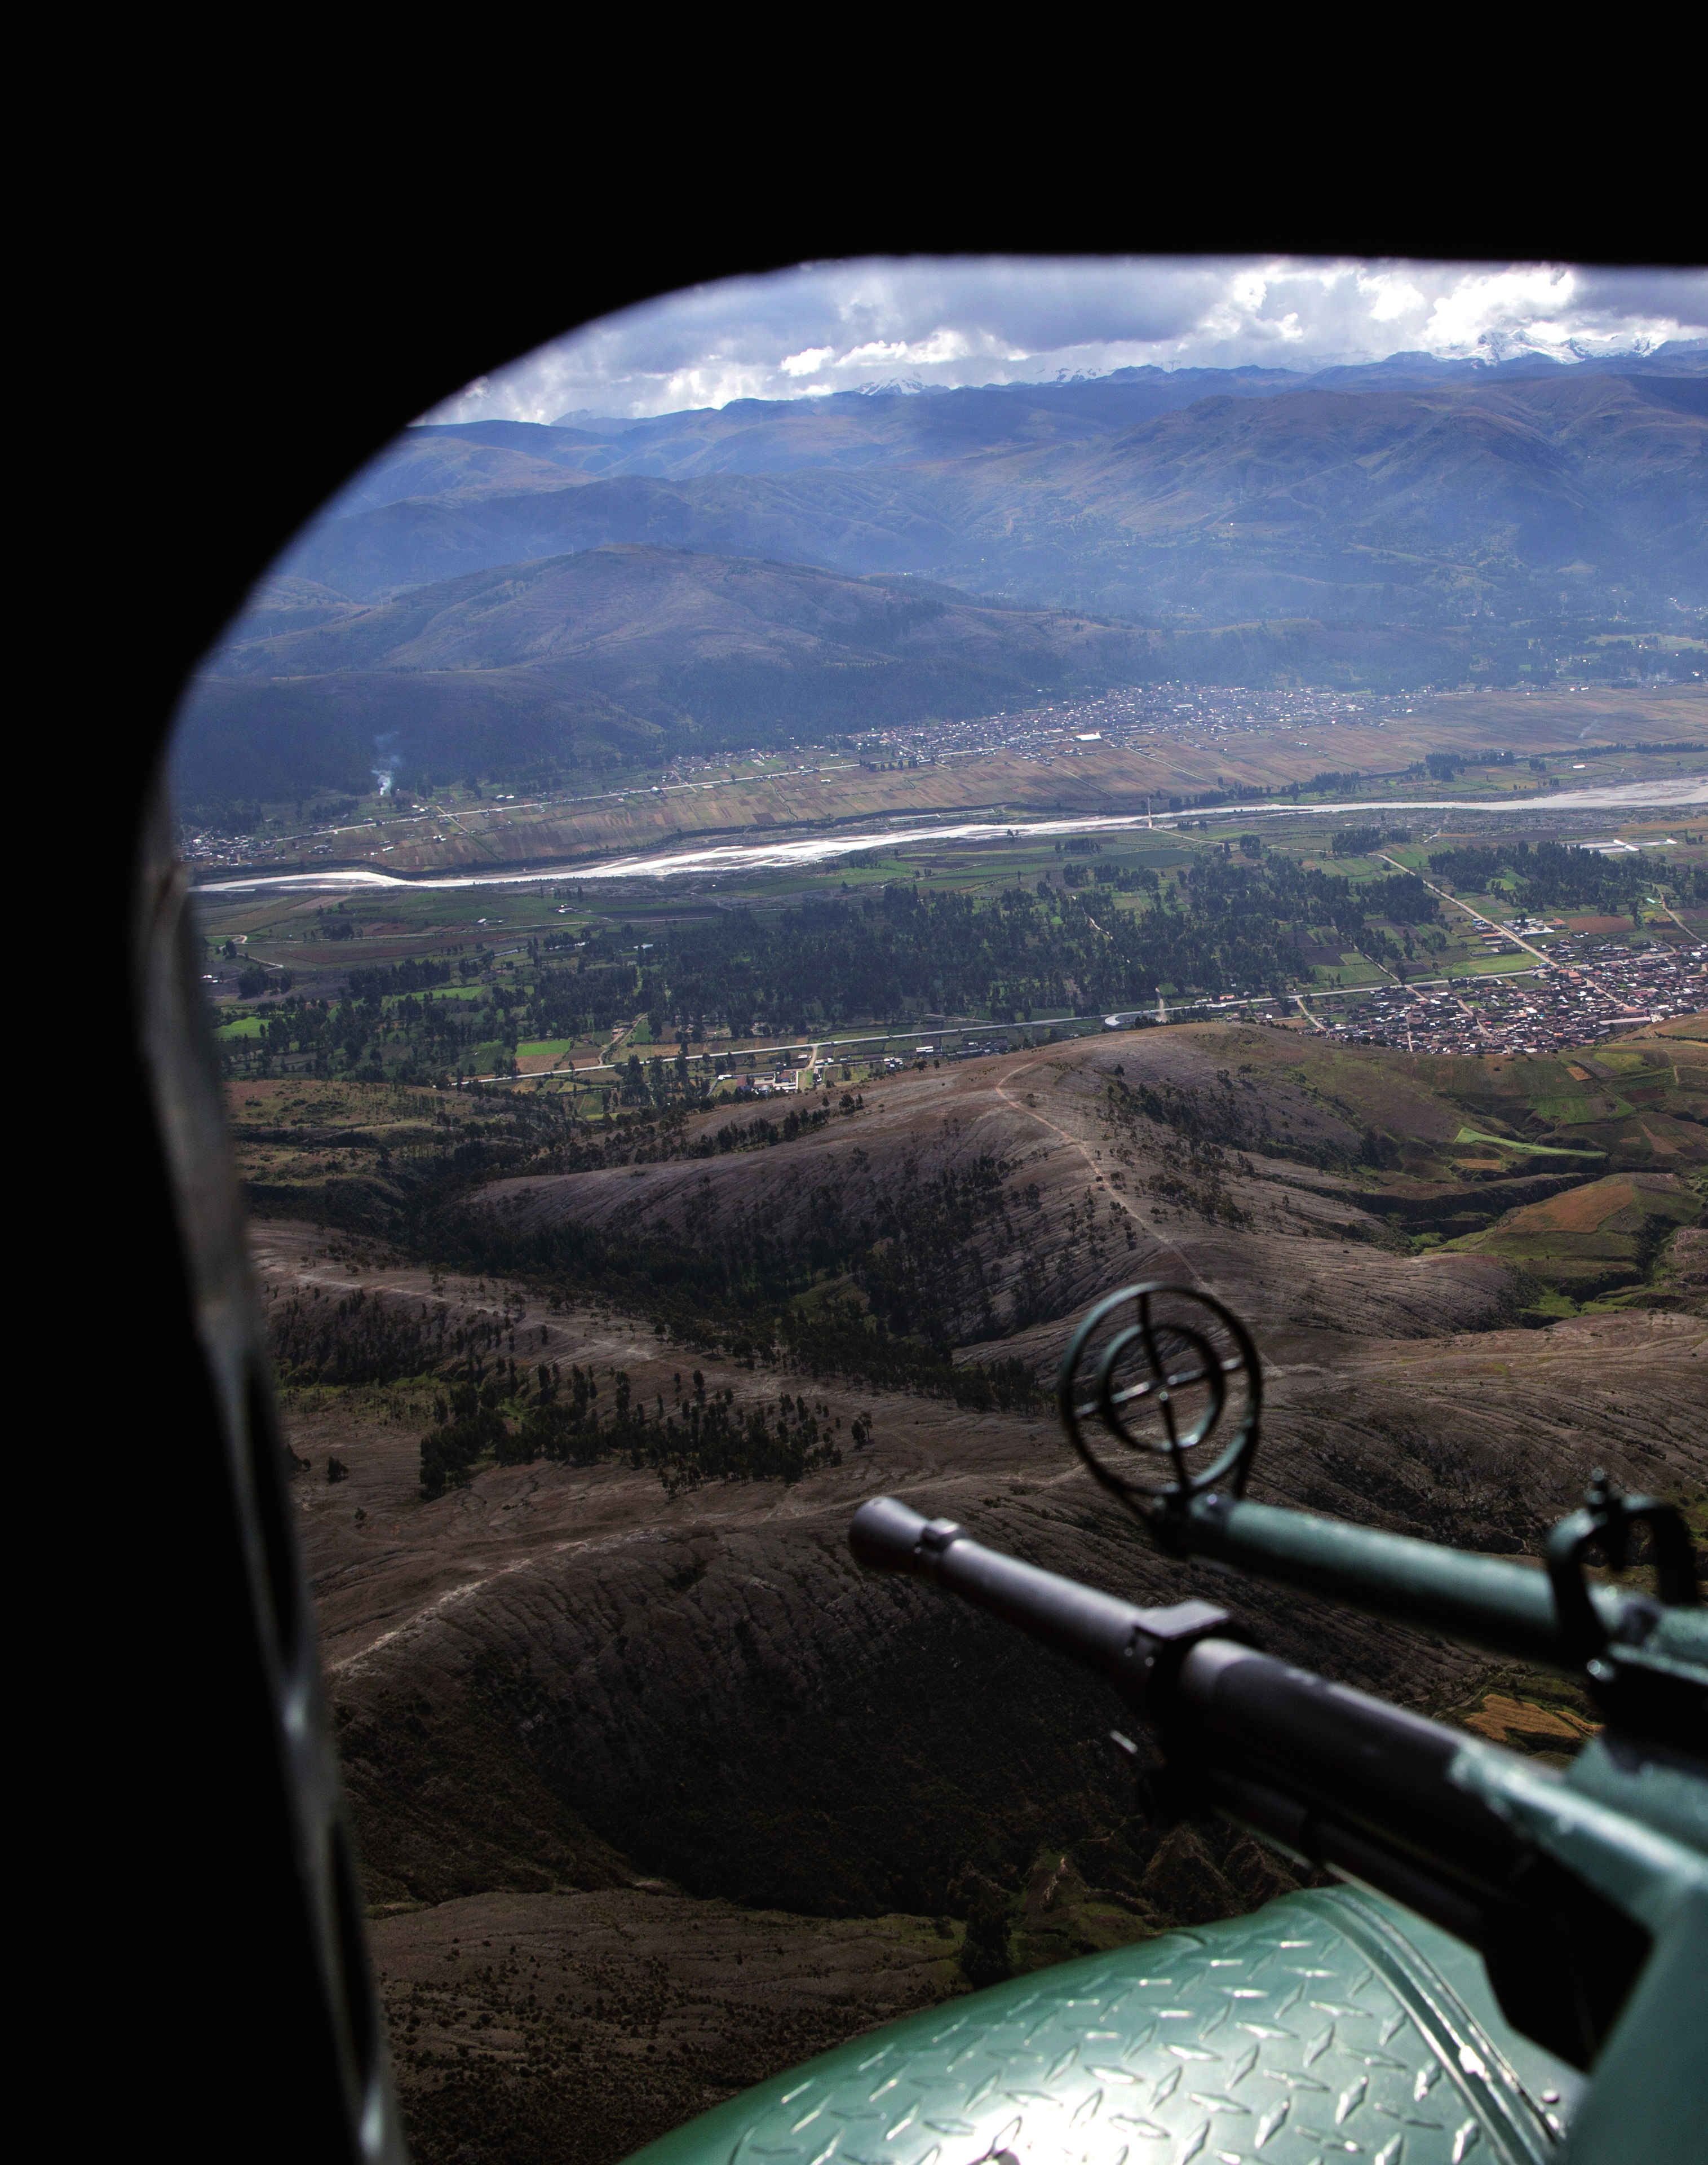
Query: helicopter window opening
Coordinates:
[360,826]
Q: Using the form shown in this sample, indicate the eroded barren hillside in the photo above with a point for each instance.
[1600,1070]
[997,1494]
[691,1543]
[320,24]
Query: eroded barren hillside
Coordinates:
[662,1782]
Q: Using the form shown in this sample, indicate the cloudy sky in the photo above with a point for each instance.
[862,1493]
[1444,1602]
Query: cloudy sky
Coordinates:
[834,327]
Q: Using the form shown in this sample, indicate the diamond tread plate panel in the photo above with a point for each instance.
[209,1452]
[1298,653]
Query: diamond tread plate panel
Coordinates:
[1308,2034]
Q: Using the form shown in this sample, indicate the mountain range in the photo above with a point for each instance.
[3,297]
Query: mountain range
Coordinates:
[496,591]
[1357,493]
[612,651]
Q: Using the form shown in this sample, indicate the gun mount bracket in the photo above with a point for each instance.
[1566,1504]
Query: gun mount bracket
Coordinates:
[1607,1521]
[1164,1371]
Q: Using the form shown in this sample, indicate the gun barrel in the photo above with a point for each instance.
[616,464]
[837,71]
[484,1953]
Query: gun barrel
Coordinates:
[1330,1747]
[1115,1636]
[1340,1778]
[1505,1608]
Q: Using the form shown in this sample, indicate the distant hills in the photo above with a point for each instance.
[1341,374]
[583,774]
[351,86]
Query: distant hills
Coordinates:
[495,592]
[1415,485]
[614,653]
[597,660]
[894,426]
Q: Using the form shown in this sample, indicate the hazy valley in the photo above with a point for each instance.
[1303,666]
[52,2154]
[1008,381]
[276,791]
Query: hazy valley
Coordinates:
[534,604]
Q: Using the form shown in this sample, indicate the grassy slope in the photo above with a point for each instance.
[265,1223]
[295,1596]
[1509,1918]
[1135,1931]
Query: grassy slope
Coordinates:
[1603,1237]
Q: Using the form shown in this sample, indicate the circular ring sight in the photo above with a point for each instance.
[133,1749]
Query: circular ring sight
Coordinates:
[1164,1368]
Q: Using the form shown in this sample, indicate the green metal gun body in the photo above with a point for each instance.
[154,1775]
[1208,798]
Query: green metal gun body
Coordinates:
[1504,1607]
[1645,1661]
[1587,1894]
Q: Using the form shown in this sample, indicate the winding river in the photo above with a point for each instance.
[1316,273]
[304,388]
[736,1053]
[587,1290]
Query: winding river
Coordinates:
[1676,793]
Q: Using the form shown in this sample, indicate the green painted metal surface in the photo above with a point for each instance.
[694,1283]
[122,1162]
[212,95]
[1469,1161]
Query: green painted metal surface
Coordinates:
[1318,2029]
[1333,2025]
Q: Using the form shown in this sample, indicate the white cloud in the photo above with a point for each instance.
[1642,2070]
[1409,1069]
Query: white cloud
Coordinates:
[1530,305]
[1391,295]
[827,327]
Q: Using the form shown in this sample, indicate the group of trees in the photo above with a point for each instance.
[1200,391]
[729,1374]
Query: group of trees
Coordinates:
[363,1337]
[702,1435]
[872,1279]
[355,1339]
[1555,875]
[876,1279]
[1448,766]
[1211,1122]
[1229,922]
[1221,924]
[1232,920]
[414,974]
[658,1130]
[416,1039]
[1363,842]
[489,1405]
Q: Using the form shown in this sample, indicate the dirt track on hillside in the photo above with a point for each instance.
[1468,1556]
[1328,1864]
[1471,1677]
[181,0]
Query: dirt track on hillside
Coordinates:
[1294,1247]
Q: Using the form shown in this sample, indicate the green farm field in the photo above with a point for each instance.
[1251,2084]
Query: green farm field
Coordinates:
[1600,1239]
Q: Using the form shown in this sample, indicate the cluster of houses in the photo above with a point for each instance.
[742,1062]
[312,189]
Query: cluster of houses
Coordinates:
[1586,992]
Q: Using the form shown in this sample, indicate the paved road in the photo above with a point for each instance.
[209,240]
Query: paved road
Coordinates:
[1189,1011]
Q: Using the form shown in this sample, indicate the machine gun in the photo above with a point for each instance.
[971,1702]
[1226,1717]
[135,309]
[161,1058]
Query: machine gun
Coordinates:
[1585,1893]
[1514,1962]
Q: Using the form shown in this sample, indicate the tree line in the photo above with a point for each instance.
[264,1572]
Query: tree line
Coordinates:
[702,1435]
[1556,876]
[1223,924]
[1229,922]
